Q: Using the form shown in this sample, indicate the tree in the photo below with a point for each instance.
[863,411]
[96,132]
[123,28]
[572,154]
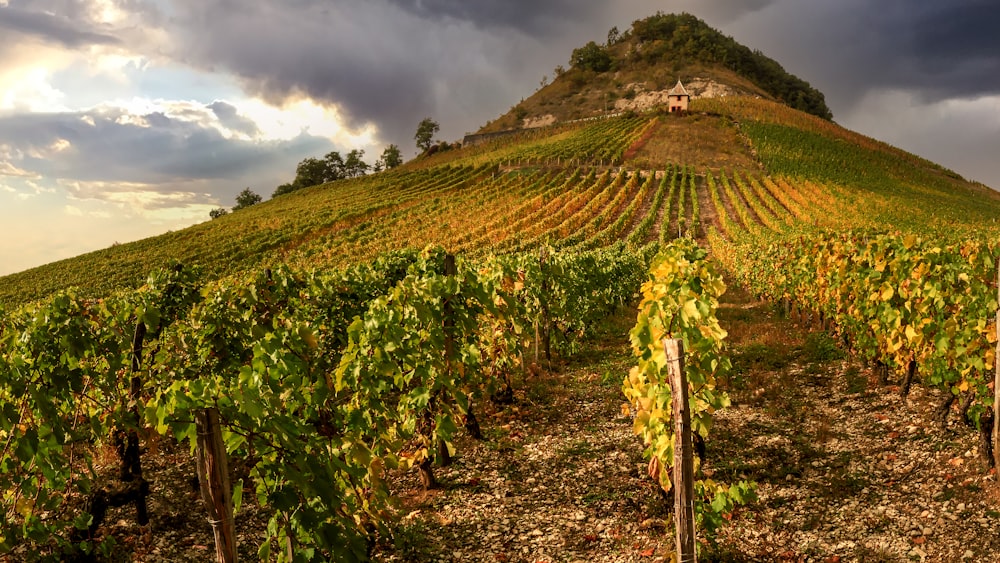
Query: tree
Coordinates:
[614,36]
[284,189]
[391,157]
[217,212]
[246,198]
[591,57]
[334,168]
[353,165]
[311,172]
[425,133]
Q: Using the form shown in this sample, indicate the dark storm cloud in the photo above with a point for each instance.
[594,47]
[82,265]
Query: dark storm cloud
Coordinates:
[107,146]
[848,49]
[717,12]
[531,16]
[386,62]
[944,48]
[52,27]
[345,54]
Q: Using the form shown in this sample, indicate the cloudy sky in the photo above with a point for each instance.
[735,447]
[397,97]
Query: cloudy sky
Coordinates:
[121,119]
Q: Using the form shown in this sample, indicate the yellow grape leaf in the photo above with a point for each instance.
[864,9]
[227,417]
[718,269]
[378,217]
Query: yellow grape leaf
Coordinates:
[887,293]
[689,312]
[641,422]
[24,506]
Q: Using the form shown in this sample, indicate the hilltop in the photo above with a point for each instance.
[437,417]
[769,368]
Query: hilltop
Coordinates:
[633,70]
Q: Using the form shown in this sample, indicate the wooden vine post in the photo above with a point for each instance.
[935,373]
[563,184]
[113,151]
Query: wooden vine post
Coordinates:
[543,258]
[444,456]
[996,382]
[683,476]
[213,475]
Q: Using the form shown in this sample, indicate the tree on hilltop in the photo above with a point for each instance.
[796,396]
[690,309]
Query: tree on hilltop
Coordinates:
[353,166]
[591,57]
[391,157]
[246,198]
[425,133]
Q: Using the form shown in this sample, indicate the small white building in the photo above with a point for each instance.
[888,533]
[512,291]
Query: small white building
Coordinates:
[678,98]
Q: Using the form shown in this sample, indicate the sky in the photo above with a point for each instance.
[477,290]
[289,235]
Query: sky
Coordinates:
[122,119]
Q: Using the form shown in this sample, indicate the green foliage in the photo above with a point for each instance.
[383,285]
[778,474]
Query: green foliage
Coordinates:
[64,391]
[332,167]
[245,199]
[391,157]
[592,57]
[680,298]
[323,382]
[897,297]
[218,212]
[315,171]
[426,130]
[820,347]
[683,38]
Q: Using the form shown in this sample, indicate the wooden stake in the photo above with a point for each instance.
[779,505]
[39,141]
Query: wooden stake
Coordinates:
[444,456]
[683,452]
[213,474]
[543,257]
[996,382]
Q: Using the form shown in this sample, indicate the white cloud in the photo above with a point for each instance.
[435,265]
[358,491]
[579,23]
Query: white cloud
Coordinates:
[290,120]
[29,89]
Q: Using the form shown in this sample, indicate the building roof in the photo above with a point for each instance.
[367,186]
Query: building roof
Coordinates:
[678,90]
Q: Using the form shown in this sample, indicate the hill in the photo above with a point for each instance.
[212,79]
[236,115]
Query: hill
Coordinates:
[635,69]
[541,184]
[525,177]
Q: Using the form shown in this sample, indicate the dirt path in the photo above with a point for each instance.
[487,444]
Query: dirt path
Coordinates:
[556,479]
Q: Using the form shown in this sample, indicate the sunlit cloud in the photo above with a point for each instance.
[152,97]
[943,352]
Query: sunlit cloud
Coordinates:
[8,169]
[305,115]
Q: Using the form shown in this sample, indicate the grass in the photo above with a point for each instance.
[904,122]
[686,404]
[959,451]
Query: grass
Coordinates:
[580,448]
[820,347]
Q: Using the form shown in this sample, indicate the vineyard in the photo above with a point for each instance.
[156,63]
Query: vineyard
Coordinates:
[347,337]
